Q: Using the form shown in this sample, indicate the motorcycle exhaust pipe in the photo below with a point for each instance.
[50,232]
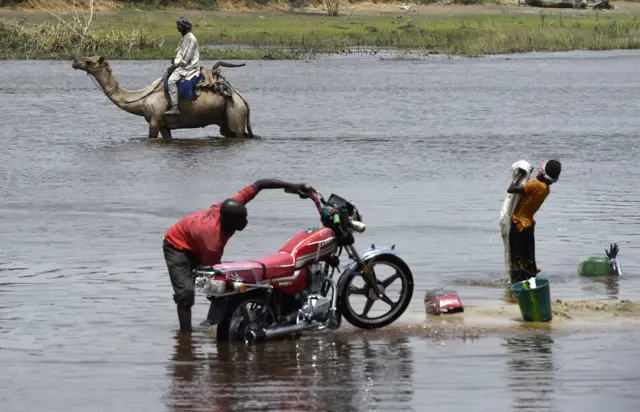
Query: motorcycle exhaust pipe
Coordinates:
[269,333]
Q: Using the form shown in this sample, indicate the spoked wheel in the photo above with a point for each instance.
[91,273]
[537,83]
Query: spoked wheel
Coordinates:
[391,273]
[245,314]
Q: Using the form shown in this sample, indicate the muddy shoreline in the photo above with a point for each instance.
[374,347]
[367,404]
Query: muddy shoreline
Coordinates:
[478,321]
[568,315]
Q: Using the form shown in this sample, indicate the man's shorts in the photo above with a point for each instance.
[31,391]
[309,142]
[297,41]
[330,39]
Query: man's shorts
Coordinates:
[180,267]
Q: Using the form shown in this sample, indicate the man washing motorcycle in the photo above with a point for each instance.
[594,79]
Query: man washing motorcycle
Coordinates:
[200,238]
[184,65]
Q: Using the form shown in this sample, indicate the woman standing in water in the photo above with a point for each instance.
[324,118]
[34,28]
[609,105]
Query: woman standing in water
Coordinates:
[521,235]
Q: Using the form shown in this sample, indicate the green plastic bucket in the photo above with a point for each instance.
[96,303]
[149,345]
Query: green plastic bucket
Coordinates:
[594,266]
[535,304]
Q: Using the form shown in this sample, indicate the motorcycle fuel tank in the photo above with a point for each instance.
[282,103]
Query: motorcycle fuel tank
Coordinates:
[310,245]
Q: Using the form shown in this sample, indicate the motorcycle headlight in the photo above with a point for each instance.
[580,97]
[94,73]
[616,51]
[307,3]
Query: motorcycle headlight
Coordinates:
[210,286]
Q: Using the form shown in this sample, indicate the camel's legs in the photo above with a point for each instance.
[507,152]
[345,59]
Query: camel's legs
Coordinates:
[166,133]
[236,123]
[153,131]
[226,132]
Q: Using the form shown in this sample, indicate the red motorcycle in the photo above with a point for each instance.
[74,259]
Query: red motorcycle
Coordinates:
[297,289]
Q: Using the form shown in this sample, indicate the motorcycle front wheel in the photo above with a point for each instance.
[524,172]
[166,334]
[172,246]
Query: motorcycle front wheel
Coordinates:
[346,290]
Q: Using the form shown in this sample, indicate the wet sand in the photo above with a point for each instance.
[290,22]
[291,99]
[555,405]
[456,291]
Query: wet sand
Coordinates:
[568,316]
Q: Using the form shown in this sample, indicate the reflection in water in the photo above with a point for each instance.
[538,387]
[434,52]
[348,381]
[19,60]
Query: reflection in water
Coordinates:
[388,365]
[327,373]
[210,141]
[532,367]
[610,284]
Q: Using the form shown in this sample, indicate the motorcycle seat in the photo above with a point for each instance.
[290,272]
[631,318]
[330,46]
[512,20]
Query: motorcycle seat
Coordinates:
[277,265]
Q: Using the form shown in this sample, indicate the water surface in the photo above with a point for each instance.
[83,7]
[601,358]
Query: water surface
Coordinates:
[424,148]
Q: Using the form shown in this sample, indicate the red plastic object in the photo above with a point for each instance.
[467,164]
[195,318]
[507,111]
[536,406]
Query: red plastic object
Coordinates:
[441,301]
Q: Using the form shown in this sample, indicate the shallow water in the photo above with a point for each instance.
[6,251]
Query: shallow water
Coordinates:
[424,148]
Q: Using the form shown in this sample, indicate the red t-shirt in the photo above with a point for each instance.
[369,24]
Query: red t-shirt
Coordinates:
[199,234]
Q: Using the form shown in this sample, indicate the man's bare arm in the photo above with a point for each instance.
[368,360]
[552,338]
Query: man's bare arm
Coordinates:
[513,187]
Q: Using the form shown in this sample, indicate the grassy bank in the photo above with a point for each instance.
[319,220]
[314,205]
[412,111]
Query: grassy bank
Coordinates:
[466,31]
[58,41]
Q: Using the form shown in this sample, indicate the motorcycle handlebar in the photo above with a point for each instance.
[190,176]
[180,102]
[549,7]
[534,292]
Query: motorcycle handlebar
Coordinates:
[313,194]
[319,201]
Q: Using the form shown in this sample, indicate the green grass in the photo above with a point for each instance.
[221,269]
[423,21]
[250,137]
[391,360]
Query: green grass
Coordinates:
[130,34]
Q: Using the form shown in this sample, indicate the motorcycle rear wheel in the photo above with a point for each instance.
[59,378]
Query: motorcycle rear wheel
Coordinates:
[361,320]
[233,327]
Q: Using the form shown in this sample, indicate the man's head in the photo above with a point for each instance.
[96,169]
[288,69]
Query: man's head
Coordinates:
[233,216]
[550,171]
[183,25]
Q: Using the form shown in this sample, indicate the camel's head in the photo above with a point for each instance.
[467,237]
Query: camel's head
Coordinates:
[90,64]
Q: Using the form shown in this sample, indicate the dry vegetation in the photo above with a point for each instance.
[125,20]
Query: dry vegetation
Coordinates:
[93,27]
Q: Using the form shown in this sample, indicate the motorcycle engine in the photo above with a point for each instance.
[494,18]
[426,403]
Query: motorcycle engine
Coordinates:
[316,308]
[316,278]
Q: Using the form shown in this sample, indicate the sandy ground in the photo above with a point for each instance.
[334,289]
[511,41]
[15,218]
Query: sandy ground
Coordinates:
[568,316]
[575,316]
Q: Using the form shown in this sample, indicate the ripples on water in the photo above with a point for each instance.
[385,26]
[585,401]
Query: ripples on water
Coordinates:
[423,148]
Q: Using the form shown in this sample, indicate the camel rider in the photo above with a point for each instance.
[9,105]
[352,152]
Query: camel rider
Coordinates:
[184,64]
[521,236]
[200,238]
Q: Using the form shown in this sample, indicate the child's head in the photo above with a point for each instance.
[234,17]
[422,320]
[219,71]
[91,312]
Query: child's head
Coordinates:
[549,171]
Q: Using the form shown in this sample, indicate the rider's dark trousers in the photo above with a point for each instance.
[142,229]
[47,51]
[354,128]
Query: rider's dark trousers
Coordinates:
[523,253]
[180,266]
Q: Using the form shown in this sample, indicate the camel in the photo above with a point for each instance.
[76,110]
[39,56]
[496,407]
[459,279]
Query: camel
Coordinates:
[217,103]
